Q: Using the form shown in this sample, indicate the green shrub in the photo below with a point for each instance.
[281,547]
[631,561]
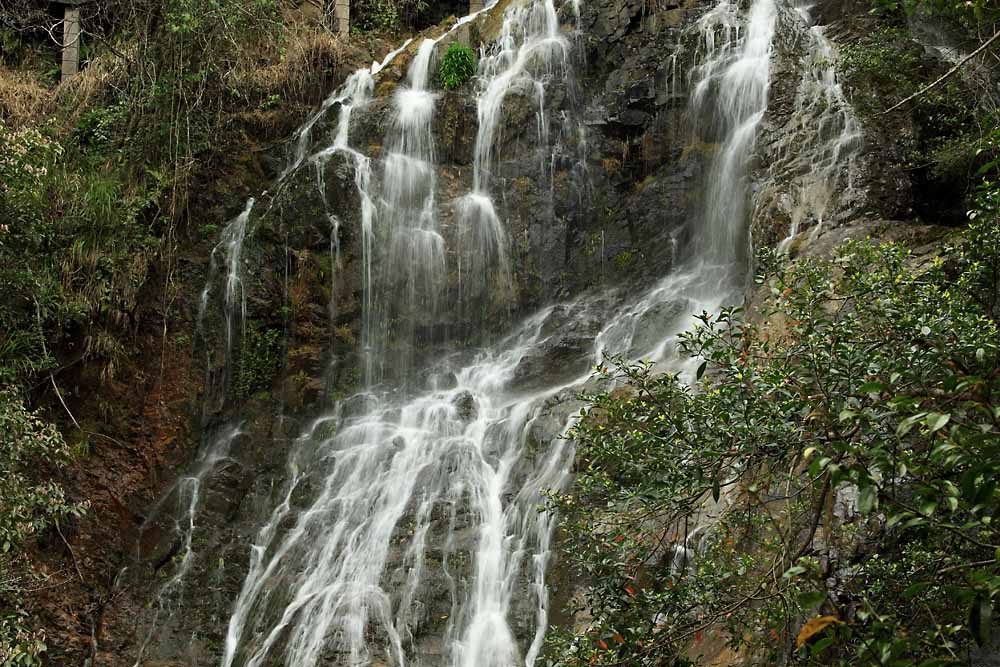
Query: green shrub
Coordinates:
[457,66]
[29,504]
[384,15]
[852,434]
[971,14]
[887,66]
[74,251]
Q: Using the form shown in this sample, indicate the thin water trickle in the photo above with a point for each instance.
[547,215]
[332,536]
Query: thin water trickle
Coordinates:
[817,153]
[186,492]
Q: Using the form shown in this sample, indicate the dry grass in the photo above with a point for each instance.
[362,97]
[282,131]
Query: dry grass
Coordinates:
[287,68]
[308,50]
[611,166]
[23,98]
[92,83]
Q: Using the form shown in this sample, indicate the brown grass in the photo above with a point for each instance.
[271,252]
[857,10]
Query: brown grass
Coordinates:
[23,98]
[611,166]
[307,50]
[92,83]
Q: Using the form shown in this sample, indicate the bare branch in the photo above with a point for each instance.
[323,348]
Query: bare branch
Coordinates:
[944,76]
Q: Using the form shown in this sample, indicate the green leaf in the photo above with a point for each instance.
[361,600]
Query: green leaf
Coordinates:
[701,369]
[872,388]
[915,589]
[984,494]
[867,499]
[907,424]
[820,646]
[969,484]
[936,421]
[810,599]
[981,620]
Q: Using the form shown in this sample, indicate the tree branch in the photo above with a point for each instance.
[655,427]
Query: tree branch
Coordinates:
[944,76]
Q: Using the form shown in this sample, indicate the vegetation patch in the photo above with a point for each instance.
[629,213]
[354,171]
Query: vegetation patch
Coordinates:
[458,65]
[389,16]
[826,493]
[30,505]
[260,360]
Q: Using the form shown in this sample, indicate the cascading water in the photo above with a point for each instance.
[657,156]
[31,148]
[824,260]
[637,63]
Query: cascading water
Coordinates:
[408,530]
[531,51]
[456,453]
[732,82]
[413,267]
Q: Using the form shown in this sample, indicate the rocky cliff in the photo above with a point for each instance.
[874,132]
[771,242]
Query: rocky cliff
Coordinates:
[597,177]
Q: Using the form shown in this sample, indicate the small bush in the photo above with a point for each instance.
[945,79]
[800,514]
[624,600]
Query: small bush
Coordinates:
[457,66]
[385,15]
[260,361]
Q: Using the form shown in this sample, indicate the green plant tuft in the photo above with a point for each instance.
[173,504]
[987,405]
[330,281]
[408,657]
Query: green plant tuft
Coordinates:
[260,360]
[457,66]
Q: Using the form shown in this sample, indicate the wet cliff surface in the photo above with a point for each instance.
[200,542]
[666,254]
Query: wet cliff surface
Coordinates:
[380,418]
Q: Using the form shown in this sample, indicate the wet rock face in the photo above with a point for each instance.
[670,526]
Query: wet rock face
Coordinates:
[797,137]
[566,353]
[192,585]
[465,405]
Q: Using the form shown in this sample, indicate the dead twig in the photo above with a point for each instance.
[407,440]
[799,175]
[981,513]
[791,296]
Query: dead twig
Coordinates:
[944,76]
[72,554]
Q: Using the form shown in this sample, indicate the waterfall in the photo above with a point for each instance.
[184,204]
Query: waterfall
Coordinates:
[730,94]
[456,453]
[531,52]
[407,529]
[412,278]
[730,81]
